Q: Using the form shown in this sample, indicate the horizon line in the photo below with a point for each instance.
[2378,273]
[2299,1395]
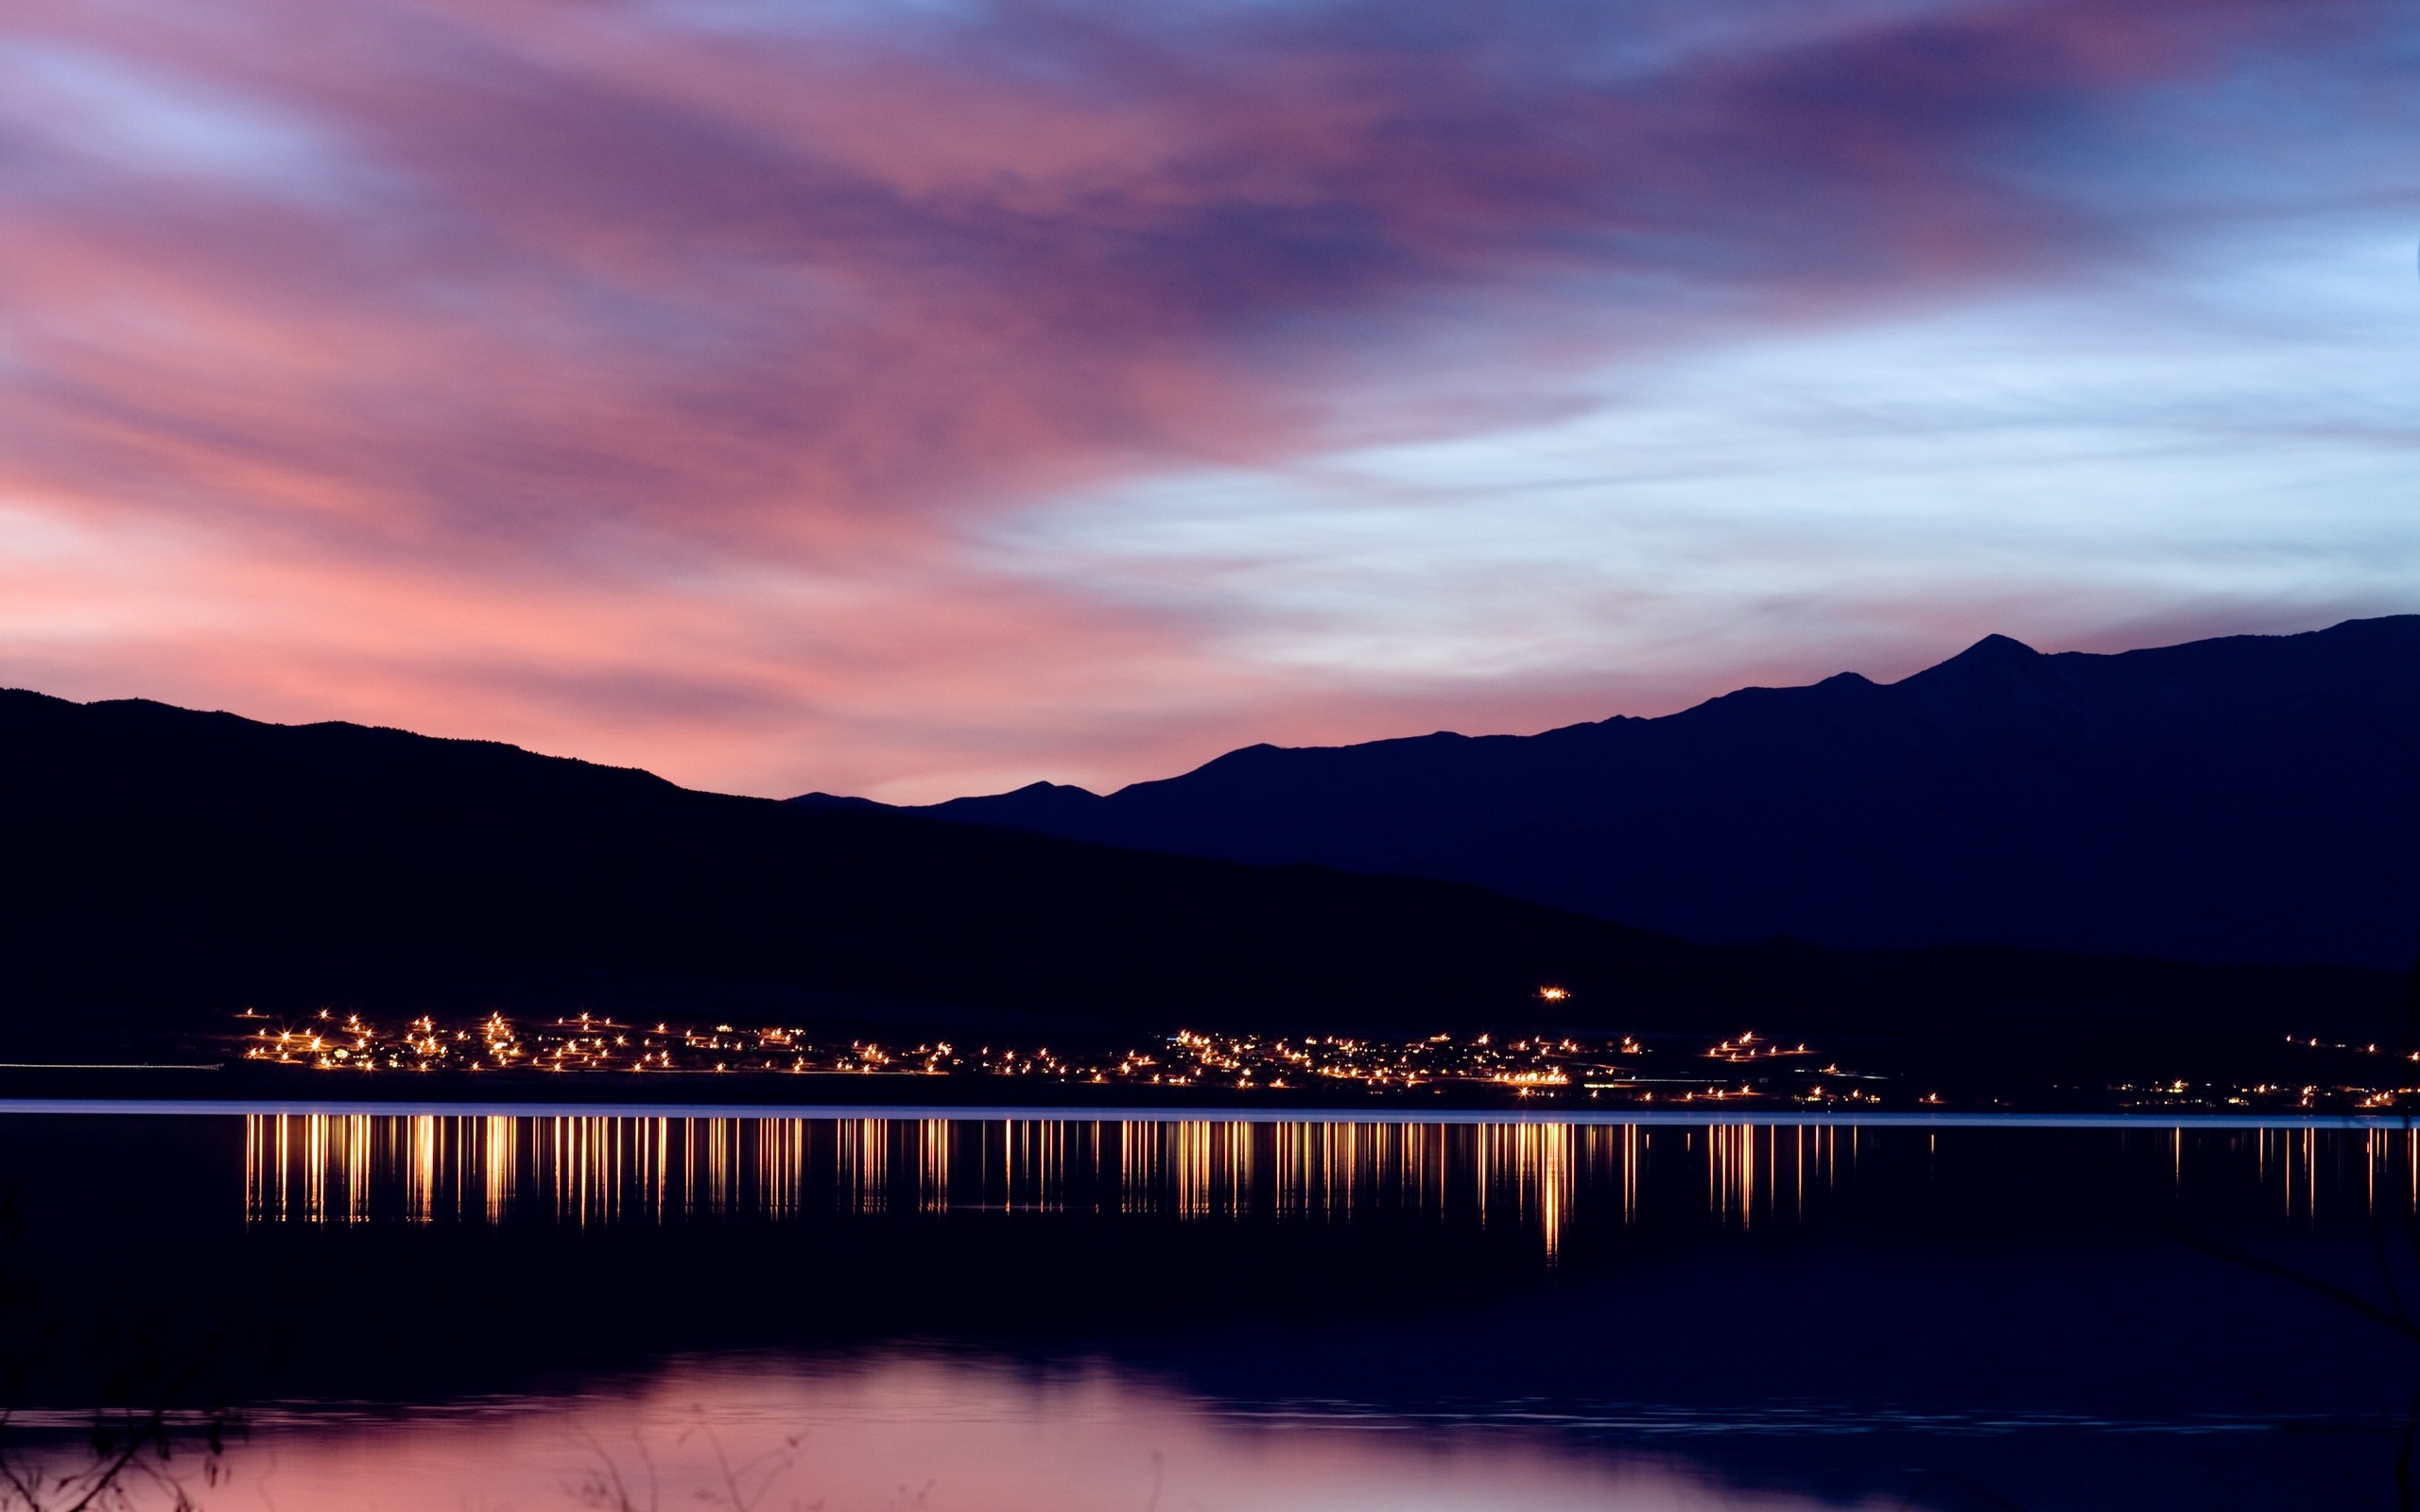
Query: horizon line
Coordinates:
[995,1113]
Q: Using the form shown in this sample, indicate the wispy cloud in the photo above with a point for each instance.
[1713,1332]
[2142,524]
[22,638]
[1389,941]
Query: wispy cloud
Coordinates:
[694,384]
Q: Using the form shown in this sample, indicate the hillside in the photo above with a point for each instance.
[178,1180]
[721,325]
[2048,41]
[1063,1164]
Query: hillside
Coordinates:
[169,865]
[2248,799]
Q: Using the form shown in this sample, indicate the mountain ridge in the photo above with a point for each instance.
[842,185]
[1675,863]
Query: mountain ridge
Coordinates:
[172,866]
[2242,798]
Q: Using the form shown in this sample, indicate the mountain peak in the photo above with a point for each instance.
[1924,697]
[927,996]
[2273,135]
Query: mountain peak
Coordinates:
[832,800]
[1995,648]
[1987,662]
[1036,805]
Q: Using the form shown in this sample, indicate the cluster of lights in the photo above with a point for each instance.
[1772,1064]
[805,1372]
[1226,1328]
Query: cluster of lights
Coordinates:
[585,1042]
[2366,1094]
[1529,1066]
[592,1043]
[1748,1049]
[1248,1062]
[1524,1067]
[1746,1068]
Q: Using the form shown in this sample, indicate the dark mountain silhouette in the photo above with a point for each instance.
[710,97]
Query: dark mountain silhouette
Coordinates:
[165,867]
[2255,797]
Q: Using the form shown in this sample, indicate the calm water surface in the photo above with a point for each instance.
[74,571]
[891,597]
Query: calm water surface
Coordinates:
[530,1311]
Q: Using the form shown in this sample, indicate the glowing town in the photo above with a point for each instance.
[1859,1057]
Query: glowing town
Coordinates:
[1744,1068]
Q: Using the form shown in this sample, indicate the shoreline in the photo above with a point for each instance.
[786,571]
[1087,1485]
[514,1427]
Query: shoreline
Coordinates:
[1176,1113]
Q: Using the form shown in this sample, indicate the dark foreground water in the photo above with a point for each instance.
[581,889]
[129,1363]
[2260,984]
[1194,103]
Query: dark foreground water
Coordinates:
[485,1312]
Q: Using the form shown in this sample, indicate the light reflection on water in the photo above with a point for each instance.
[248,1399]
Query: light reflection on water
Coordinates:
[318,1168]
[350,1168]
[901,1433]
[1235,1312]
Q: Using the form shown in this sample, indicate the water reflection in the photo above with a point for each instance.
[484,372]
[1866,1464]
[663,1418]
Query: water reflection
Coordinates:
[354,1168]
[902,1432]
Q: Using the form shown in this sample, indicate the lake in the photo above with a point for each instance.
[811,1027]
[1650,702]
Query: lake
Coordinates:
[997,1309]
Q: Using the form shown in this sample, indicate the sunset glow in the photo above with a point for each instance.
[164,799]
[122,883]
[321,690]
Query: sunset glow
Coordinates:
[920,401]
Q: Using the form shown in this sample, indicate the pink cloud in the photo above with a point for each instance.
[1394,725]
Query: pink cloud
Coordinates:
[572,375]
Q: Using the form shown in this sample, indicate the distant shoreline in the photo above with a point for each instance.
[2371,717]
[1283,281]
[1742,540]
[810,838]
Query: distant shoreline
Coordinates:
[1173,1113]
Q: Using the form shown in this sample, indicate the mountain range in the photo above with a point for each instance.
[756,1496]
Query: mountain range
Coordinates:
[167,866]
[2245,799]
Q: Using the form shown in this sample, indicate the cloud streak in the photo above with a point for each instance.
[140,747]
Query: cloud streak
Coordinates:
[651,380]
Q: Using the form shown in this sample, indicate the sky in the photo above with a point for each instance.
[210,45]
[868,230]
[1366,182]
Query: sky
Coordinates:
[927,398]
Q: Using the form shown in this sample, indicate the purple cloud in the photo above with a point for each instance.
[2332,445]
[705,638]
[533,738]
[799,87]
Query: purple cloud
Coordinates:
[518,326]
